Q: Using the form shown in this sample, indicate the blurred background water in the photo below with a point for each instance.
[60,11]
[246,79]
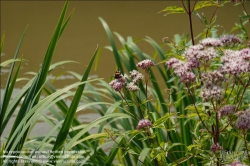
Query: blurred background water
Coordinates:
[84,32]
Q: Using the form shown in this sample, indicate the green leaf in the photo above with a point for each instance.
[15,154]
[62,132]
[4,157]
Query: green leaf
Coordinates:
[143,155]
[173,10]
[5,63]
[163,119]
[71,113]
[111,39]
[55,65]
[203,4]
[8,93]
[92,136]
[245,17]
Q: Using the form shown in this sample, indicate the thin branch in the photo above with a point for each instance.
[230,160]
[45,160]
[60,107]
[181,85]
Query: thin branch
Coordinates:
[192,98]
[128,106]
[190,22]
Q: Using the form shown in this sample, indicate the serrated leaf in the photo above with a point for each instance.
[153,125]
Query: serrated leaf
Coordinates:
[173,9]
[203,4]
[163,119]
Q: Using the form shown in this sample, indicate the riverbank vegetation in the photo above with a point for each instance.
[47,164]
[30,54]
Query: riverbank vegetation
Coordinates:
[199,115]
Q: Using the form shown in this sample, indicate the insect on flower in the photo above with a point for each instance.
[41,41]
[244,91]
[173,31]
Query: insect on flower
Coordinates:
[118,74]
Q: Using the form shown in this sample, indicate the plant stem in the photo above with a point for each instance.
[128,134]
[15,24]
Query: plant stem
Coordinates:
[244,8]
[124,148]
[245,141]
[128,106]
[211,20]
[245,88]
[190,21]
[151,144]
[192,98]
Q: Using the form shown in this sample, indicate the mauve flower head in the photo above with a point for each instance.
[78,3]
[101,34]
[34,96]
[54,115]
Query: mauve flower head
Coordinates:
[243,121]
[211,42]
[182,70]
[188,77]
[172,63]
[193,63]
[145,64]
[132,87]
[192,52]
[118,84]
[137,77]
[234,62]
[214,93]
[200,53]
[207,54]
[226,110]
[230,39]
[212,78]
[237,163]
[215,148]
[144,123]
[245,54]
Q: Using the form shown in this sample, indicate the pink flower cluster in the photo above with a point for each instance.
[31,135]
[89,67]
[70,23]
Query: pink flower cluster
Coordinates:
[215,148]
[237,163]
[117,84]
[236,62]
[211,42]
[212,78]
[132,87]
[145,64]
[243,121]
[226,110]
[212,85]
[144,123]
[181,69]
[200,53]
[137,77]
[214,93]
[230,39]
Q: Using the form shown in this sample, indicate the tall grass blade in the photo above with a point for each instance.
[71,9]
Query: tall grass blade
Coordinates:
[111,39]
[71,113]
[39,81]
[5,101]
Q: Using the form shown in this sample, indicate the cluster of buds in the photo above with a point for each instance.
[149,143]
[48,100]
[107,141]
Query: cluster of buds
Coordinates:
[236,62]
[143,124]
[136,76]
[212,78]
[118,83]
[200,52]
[230,40]
[212,85]
[214,93]
[226,110]
[243,121]
[236,163]
[145,64]
[181,69]
[216,148]
[211,42]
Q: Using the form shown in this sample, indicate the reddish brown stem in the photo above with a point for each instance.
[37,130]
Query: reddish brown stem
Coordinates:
[190,21]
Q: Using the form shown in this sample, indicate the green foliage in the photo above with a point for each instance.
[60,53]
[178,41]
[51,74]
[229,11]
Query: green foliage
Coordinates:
[157,124]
